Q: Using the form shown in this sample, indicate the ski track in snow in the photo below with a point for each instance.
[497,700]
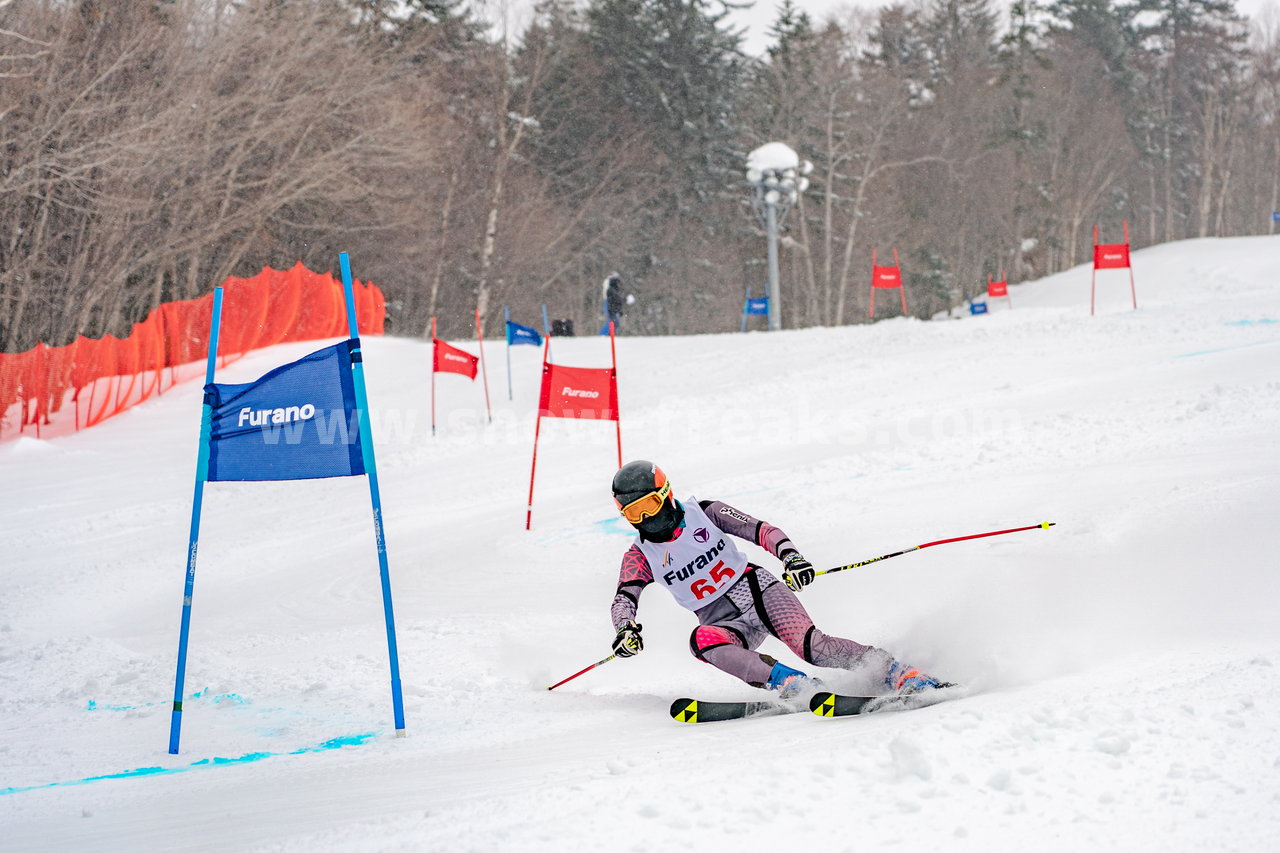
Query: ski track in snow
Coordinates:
[1125,664]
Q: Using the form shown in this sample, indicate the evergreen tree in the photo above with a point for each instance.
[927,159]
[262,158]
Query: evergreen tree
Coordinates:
[793,37]
[1193,59]
[960,35]
[675,70]
[788,79]
[674,65]
[1023,62]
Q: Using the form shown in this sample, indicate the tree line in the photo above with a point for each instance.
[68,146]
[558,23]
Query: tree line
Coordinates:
[150,149]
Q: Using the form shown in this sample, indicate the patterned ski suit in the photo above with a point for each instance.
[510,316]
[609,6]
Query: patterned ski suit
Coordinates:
[744,602]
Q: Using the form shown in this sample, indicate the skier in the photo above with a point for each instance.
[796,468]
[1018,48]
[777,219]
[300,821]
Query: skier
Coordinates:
[683,544]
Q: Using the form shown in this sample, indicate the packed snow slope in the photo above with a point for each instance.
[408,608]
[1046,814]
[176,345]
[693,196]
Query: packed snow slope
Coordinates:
[1125,665]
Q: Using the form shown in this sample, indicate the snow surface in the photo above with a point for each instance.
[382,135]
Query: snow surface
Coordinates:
[1125,664]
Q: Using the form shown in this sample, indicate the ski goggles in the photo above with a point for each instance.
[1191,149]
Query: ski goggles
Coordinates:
[647,506]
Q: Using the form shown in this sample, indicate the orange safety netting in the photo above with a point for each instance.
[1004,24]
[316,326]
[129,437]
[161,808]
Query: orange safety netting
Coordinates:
[57,390]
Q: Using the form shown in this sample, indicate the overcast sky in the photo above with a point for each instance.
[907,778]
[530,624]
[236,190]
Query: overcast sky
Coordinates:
[756,20]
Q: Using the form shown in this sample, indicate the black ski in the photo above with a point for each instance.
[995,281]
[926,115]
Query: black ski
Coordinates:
[823,704]
[835,705]
[696,711]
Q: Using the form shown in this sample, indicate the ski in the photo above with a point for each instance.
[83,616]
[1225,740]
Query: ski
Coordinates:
[823,703]
[696,711]
[835,705]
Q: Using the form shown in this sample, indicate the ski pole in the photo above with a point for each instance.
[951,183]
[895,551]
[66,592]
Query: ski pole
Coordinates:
[581,671]
[1044,524]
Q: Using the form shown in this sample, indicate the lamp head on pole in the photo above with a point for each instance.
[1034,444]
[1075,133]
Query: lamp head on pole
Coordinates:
[776,174]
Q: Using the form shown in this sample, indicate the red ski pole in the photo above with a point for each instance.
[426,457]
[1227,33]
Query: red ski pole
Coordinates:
[1044,524]
[581,671]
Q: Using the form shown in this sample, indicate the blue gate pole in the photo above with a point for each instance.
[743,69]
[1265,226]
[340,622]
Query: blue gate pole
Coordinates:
[546,324]
[202,474]
[371,469]
[506,316]
[746,304]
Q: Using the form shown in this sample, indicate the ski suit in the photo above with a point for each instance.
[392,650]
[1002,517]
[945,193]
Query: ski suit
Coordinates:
[737,603]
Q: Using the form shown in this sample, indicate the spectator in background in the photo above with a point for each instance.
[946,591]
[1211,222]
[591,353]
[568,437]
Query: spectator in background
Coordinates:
[613,301]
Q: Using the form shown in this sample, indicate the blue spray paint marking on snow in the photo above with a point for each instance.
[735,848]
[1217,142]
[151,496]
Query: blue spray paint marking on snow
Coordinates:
[94,706]
[1227,349]
[613,525]
[219,699]
[332,743]
[1265,321]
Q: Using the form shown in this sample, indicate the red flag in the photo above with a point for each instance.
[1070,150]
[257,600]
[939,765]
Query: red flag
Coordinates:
[1111,256]
[886,277]
[450,359]
[997,288]
[579,392]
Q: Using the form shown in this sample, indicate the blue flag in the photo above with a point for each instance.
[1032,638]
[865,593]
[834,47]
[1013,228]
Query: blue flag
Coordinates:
[517,334]
[298,422]
[757,306]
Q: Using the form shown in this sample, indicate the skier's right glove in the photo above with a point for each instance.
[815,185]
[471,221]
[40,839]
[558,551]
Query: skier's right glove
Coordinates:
[628,642]
[797,572]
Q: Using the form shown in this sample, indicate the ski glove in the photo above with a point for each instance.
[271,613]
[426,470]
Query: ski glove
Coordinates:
[797,572]
[628,642]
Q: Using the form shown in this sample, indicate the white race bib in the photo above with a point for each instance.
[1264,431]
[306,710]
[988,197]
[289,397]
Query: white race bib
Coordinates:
[701,565]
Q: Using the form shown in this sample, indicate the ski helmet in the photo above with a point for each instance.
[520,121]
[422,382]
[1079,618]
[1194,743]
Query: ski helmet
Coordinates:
[643,495]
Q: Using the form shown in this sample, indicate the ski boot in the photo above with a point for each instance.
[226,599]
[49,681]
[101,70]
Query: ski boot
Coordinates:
[904,680]
[790,682]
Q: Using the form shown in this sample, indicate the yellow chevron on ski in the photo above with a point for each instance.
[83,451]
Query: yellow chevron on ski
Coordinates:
[827,708]
[689,713]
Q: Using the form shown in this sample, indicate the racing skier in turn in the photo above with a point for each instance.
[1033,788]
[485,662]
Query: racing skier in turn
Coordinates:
[687,547]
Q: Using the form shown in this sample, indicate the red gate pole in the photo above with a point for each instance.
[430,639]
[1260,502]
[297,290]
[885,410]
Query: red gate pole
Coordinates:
[1133,290]
[902,285]
[484,373]
[1093,281]
[433,375]
[617,415]
[871,312]
[537,430]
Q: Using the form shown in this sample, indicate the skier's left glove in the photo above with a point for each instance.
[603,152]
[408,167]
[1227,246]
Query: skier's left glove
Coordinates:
[797,572]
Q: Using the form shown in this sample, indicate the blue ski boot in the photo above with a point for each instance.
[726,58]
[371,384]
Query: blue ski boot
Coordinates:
[790,682]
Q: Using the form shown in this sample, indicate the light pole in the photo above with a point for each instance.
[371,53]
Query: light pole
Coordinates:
[778,177]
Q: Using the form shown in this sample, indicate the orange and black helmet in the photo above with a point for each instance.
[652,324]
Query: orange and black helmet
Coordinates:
[643,495]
